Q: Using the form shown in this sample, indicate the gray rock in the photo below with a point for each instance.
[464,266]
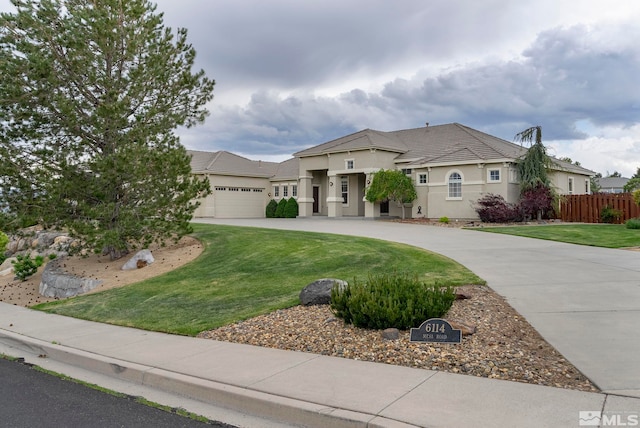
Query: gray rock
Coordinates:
[391,334]
[8,263]
[46,239]
[319,292]
[58,283]
[144,256]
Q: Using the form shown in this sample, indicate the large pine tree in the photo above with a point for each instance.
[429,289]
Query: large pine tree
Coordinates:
[92,92]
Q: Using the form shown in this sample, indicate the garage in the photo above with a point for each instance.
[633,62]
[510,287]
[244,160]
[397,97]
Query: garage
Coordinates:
[238,202]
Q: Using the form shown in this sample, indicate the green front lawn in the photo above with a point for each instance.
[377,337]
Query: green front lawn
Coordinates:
[596,235]
[244,272]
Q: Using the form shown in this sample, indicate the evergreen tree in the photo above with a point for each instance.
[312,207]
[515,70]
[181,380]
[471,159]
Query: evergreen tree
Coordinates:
[280,208]
[533,173]
[91,95]
[270,211]
[291,209]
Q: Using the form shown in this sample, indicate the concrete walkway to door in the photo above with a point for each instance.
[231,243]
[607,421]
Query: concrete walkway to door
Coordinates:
[585,301]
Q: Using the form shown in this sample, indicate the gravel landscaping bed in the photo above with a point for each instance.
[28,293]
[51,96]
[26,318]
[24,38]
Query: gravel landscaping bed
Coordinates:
[504,345]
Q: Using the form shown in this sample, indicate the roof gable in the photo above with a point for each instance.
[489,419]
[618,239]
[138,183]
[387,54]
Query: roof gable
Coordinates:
[362,140]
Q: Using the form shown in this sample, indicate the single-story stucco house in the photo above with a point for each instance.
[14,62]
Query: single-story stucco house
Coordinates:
[451,165]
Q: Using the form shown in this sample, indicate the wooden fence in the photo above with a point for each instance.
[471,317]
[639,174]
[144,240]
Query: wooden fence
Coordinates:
[588,208]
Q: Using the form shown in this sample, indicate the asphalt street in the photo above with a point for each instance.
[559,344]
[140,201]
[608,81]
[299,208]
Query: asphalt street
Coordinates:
[33,399]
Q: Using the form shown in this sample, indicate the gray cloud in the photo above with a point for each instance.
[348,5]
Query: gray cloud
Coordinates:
[292,74]
[564,77]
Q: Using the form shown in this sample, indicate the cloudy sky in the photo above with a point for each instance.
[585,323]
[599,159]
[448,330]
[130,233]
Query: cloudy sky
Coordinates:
[292,73]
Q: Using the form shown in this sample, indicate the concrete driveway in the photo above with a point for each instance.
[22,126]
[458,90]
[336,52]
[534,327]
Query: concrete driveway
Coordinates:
[584,301]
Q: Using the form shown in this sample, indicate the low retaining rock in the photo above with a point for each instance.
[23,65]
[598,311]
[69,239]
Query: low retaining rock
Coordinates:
[58,283]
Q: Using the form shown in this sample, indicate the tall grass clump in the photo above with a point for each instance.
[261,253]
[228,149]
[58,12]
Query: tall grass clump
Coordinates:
[390,300]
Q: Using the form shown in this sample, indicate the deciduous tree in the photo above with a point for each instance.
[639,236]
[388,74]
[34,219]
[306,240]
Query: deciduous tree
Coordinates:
[91,95]
[391,185]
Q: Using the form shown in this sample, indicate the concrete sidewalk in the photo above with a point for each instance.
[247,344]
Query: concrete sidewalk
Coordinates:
[584,301]
[290,388]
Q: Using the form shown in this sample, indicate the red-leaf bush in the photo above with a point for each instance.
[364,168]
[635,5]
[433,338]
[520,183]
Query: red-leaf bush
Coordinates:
[494,209]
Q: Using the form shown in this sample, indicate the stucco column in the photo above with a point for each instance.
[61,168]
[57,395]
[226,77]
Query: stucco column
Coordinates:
[305,195]
[334,198]
[371,209]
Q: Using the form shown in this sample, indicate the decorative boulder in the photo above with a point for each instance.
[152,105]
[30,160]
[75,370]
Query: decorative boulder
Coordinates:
[319,292]
[58,283]
[141,259]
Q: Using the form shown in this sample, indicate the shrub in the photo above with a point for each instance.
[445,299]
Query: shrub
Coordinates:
[636,196]
[444,220]
[4,240]
[538,202]
[494,209]
[633,223]
[291,208]
[280,208]
[24,266]
[270,212]
[609,214]
[386,301]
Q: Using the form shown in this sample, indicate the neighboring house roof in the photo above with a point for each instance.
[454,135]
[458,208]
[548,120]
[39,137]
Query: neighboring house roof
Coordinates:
[225,163]
[612,182]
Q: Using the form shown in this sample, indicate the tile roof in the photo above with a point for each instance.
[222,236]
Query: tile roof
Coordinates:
[225,163]
[440,144]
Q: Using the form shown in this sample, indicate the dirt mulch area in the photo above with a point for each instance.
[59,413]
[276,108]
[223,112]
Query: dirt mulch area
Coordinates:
[172,256]
[504,346]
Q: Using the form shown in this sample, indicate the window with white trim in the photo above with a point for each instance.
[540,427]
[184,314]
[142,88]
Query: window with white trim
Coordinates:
[494,176]
[570,185]
[587,186]
[344,187]
[406,171]
[276,191]
[455,186]
[513,175]
[349,164]
[294,190]
[422,179]
[285,191]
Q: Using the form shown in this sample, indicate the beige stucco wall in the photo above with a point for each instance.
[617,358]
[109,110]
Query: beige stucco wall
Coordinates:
[560,180]
[433,198]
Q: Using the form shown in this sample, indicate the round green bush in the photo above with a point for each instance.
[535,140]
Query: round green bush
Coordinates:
[270,211]
[387,301]
[291,209]
[633,223]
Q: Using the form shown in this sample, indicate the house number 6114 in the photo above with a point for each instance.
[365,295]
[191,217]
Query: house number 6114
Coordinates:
[434,328]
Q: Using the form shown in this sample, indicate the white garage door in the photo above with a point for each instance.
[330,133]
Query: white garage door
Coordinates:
[239,202]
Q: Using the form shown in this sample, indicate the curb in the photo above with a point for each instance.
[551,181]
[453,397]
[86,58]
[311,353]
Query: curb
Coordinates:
[239,399]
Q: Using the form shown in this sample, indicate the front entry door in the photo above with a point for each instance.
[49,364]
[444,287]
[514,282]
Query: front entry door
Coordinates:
[316,199]
[384,208]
